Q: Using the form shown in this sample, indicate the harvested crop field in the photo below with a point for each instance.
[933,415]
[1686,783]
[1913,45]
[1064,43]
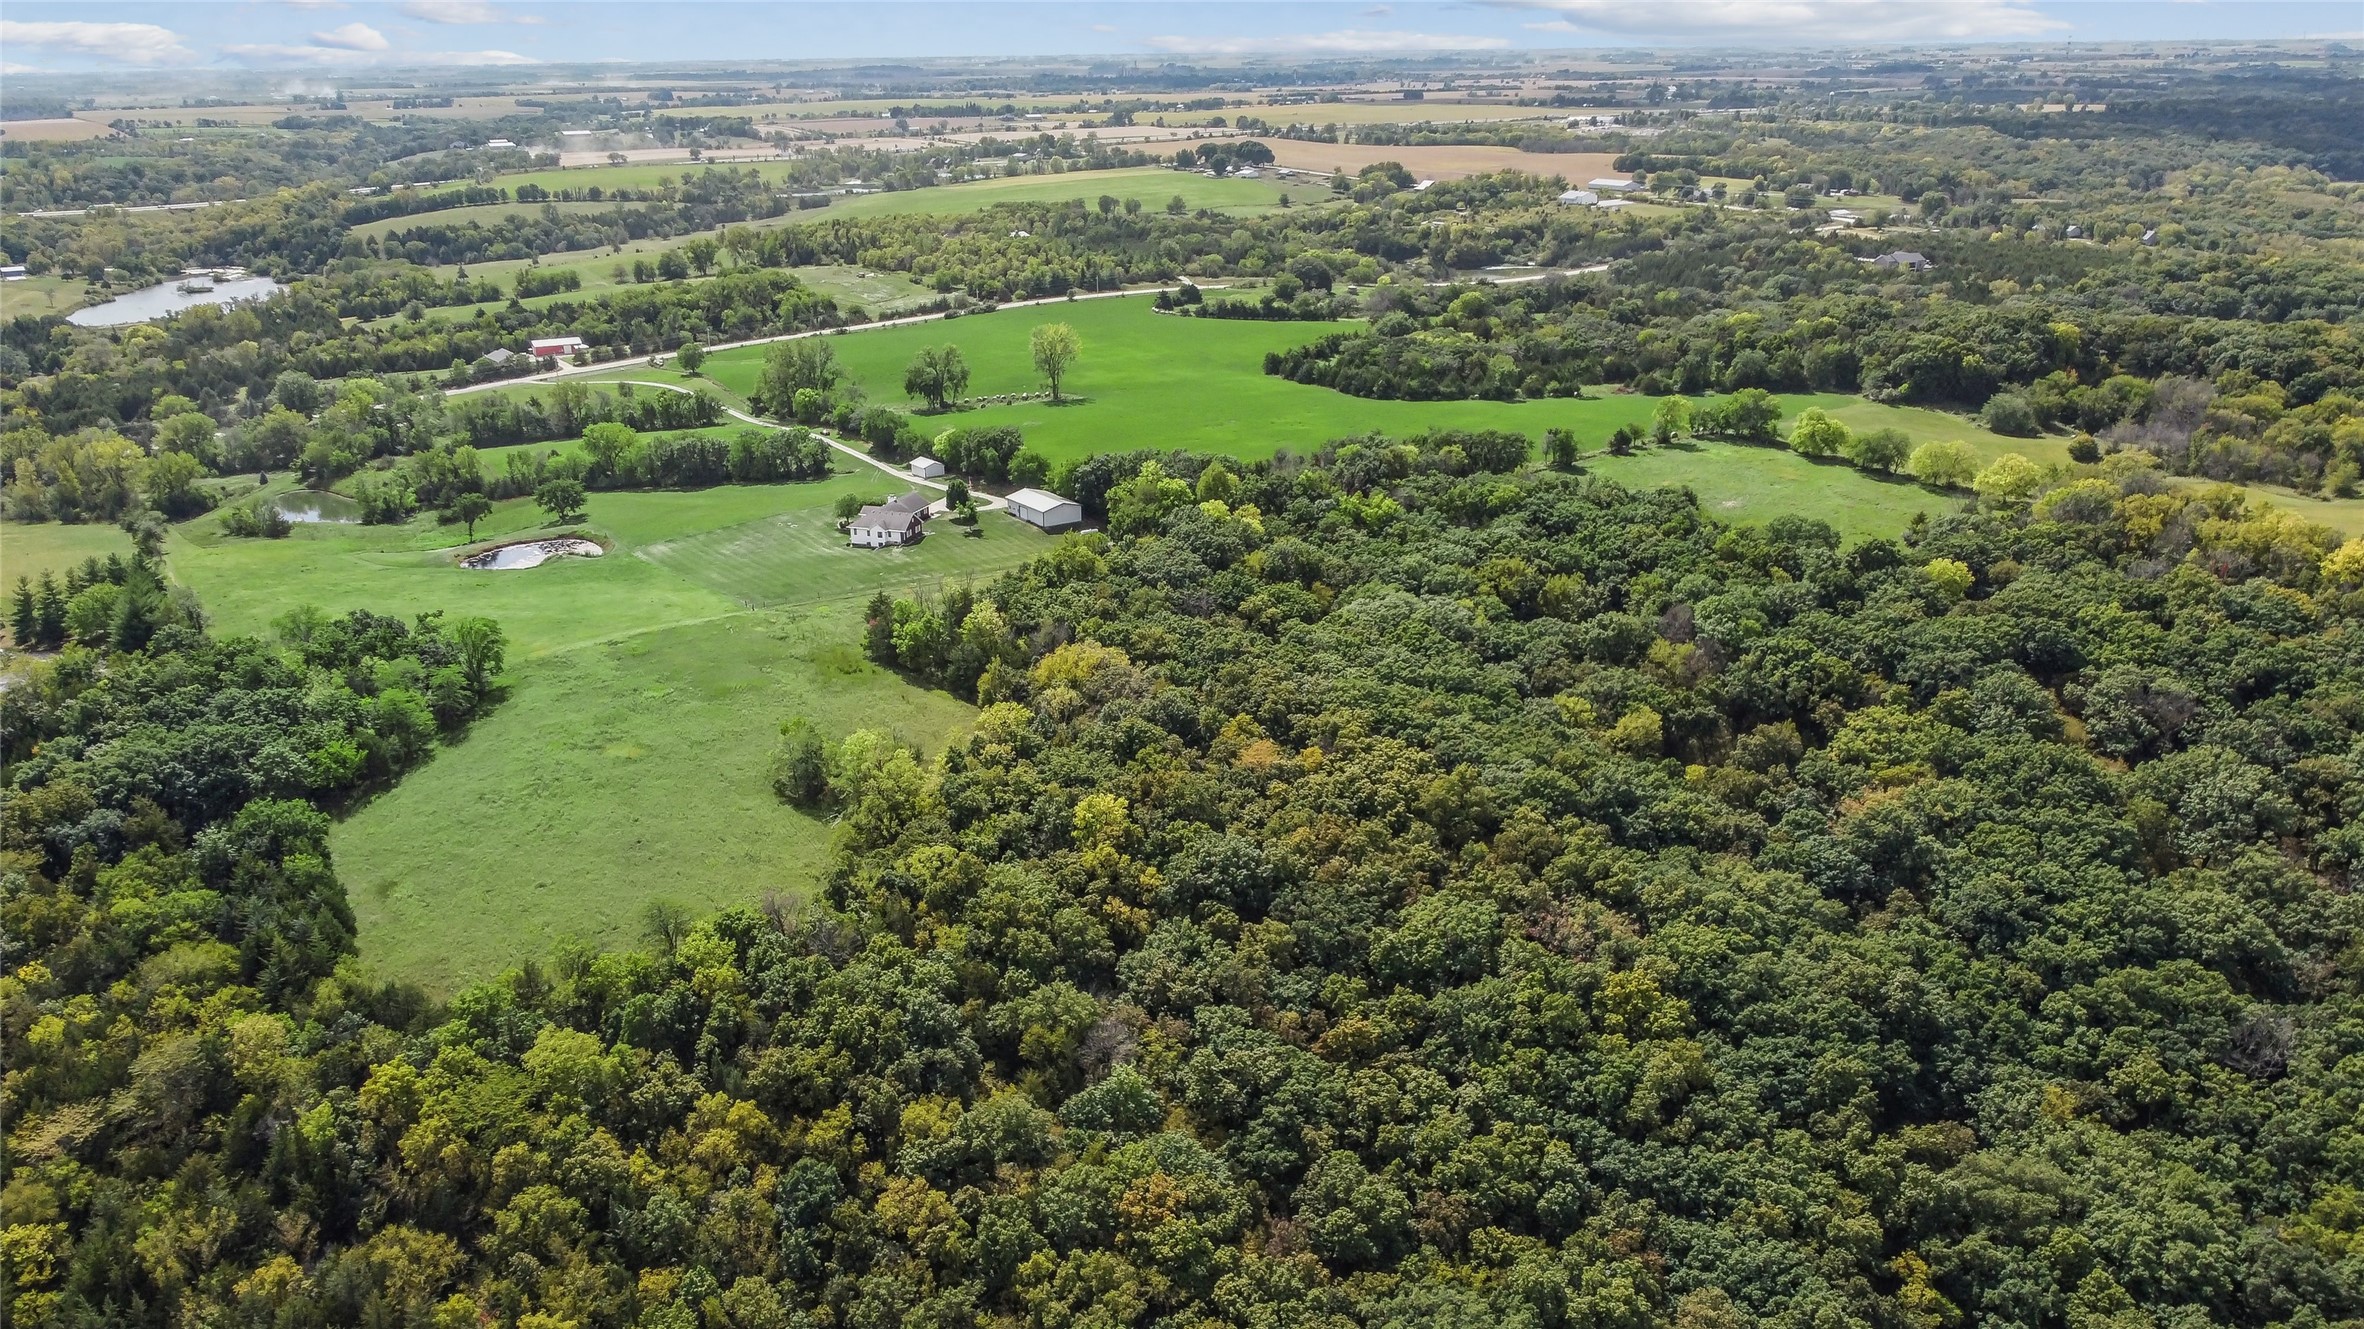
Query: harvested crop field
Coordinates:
[1441,163]
[50,131]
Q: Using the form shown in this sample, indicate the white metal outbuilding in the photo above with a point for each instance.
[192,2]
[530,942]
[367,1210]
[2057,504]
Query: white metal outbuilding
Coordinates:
[1041,507]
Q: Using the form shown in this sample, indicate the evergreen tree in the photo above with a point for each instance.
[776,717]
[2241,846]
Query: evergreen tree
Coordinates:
[50,612]
[24,620]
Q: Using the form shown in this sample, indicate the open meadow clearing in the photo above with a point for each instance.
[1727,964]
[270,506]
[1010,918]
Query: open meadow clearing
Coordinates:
[31,297]
[479,214]
[1150,380]
[627,762]
[869,289]
[1449,162]
[1152,186]
[28,549]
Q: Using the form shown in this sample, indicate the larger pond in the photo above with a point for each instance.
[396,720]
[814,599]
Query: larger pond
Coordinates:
[152,302]
[310,505]
[530,554]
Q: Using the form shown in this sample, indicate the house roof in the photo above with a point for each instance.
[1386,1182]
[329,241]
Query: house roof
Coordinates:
[915,501]
[1036,498]
[880,517]
[1903,256]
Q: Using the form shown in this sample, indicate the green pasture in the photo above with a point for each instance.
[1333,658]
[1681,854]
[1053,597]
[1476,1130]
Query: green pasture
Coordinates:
[874,290]
[47,294]
[1149,380]
[1154,186]
[28,549]
[484,214]
[645,691]
[632,175]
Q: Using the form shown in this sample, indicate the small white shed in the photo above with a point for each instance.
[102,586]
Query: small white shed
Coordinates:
[1041,507]
[926,468]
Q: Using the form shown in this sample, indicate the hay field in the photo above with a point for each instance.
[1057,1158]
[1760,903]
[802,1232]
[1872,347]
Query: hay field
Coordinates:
[51,131]
[1441,163]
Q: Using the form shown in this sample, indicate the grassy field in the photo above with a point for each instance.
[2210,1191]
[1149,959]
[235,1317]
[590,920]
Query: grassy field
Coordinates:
[632,175]
[875,291]
[35,296]
[30,549]
[485,214]
[1448,162]
[1147,380]
[1399,113]
[1152,185]
[646,687]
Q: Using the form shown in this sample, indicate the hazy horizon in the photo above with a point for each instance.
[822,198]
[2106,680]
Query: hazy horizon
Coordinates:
[99,37]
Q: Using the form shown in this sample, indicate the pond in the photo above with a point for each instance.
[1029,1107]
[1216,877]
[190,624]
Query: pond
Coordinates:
[167,297]
[530,554]
[310,505]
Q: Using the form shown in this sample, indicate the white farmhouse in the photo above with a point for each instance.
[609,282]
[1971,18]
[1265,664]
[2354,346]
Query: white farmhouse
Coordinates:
[1041,507]
[879,526]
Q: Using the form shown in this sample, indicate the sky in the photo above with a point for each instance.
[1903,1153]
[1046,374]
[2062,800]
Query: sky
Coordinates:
[130,35]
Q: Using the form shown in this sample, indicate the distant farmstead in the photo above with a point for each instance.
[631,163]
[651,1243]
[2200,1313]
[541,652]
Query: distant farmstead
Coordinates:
[1902,258]
[1041,507]
[1612,184]
[1579,198]
[555,348]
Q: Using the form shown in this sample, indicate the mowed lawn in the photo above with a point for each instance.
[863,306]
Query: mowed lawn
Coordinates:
[1150,380]
[646,689]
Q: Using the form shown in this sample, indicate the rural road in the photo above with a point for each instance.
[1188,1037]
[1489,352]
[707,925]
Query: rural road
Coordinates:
[984,500]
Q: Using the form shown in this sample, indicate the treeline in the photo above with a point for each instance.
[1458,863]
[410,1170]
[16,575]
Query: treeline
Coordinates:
[2026,357]
[227,361]
[568,408]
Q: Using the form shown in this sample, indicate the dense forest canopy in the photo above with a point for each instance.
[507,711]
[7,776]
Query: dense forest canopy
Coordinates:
[1422,883]
[1387,887]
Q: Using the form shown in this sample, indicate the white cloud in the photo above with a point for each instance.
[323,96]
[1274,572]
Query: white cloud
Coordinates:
[123,43]
[275,53]
[269,53]
[10,67]
[353,37]
[452,11]
[1344,41]
[1796,20]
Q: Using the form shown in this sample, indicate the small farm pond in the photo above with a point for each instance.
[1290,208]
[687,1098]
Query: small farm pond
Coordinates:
[530,554]
[310,505]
